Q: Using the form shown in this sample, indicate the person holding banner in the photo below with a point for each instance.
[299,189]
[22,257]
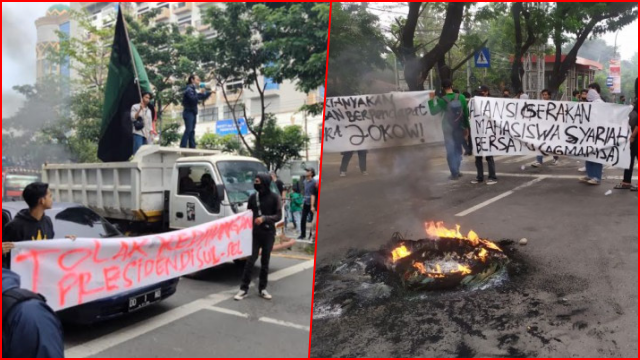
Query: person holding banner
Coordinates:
[267,212]
[455,124]
[594,170]
[30,329]
[346,158]
[491,163]
[546,96]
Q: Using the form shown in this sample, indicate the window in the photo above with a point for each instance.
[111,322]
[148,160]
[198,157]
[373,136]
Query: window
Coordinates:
[234,87]
[228,114]
[209,114]
[197,181]
[184,20]
[163,5]
[238,178]
[83,222]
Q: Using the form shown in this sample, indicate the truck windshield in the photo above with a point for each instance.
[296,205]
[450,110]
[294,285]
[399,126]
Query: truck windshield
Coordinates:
[238,177]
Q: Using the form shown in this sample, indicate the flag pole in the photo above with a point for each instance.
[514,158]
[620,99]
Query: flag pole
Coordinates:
[133,62]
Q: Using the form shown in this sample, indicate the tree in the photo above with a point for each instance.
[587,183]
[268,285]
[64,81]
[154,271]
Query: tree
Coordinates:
[588,19]
[253,42]
[357,48]
[416,68]
[164,49]
[282,145]
[209,141]
[227,144]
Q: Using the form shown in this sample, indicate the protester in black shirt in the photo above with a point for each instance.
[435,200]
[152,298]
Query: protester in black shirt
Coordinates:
[267,212]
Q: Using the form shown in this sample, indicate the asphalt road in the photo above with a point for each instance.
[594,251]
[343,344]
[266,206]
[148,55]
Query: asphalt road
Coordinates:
[203,320]
[575,295]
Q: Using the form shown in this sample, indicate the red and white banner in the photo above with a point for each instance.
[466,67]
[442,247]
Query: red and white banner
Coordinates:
[70,273]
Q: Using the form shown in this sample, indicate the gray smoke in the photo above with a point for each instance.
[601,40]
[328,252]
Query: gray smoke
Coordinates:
[16,47]
[11,103]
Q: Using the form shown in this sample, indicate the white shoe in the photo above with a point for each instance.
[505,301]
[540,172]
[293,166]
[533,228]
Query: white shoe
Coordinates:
[343,174]
[582,169]
[536,164]
[554,162]
[240,295]
[265,295]
[585,179]
[593,182]
[365,173]
[492,182]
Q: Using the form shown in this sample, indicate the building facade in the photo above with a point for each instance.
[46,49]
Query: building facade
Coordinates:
[55,20]
[283,100]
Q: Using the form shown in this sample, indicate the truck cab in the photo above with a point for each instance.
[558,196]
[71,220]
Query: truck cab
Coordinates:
[211,187]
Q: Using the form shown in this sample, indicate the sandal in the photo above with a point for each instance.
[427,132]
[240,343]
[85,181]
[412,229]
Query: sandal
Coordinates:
[623,187]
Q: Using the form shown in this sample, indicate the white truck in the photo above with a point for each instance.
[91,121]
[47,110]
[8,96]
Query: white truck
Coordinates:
[164,187]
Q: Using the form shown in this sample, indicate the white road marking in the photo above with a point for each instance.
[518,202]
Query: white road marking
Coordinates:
[499,197]
[279,275]
[121,336]
[559,177]
[262,319]
[284,323]
[517,159]
[228,312]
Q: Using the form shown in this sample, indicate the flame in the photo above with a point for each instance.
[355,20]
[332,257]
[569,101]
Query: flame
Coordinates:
[437,230]
[420,267]
[400,252]
[465,270]
[483,254]
[437,271]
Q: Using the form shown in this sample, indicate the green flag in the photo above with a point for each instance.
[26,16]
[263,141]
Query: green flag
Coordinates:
[121,93]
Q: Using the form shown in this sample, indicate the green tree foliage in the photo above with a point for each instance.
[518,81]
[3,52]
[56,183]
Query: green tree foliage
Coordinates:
[282,144]
[254,42]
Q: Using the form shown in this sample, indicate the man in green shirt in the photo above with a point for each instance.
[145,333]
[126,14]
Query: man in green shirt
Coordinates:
[455,124]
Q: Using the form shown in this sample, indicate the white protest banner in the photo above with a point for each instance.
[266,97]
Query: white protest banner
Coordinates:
[597,132]
[377,121]
[70,273]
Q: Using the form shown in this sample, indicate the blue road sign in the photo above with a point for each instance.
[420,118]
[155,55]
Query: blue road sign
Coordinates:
[610,81]
[483,58]
[227,127]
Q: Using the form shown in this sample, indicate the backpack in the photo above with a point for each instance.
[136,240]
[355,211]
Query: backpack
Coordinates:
[10,299]
[454,113]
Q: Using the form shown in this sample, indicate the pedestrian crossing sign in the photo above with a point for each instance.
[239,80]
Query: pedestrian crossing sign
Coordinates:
[483,58]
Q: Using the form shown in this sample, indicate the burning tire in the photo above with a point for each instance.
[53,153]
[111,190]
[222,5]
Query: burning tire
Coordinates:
[445,260]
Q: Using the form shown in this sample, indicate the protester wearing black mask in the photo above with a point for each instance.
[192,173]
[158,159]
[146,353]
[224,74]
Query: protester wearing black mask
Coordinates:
[267,211]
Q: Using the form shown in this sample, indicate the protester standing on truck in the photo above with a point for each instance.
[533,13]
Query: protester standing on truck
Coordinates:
[141,122]
[190,112]
[267,212]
